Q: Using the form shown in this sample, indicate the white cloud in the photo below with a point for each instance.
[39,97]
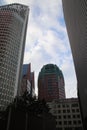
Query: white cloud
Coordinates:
[70,78]
[47,40]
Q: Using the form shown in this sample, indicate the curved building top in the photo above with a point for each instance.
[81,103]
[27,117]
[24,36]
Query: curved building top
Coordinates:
[17,8]
[50,69]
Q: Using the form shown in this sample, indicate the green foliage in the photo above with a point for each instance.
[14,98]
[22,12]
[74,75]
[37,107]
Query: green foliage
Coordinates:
[30,104]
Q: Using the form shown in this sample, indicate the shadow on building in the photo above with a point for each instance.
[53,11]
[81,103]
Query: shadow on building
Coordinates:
[34,115]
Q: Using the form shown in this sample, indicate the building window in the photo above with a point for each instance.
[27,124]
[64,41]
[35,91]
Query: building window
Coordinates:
[68,111]
[73,110]
[64,111]
[79,121]
[60,122]
[59,117]
[75,105]
[69,116]
[78,116]
[69,122]
[74,122]
[64,116]
[77,110]
[59,111]
[74,116]
[65,122]
[64,105]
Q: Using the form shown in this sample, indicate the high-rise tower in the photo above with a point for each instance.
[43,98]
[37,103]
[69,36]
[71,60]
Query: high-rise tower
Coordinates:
[13,24]
[28,83]
[75,13]
[51,83]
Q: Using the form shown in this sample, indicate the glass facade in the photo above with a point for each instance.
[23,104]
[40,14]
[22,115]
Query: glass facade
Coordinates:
[12,28]
[27,83]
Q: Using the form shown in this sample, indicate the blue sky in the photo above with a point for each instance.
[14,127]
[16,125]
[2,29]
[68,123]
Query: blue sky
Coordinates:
[47,40]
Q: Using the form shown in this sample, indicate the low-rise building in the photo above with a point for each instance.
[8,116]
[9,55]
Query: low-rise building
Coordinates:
[67,113]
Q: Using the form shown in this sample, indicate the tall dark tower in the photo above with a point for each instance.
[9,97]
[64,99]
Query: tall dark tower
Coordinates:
[75,14]
[51,83]
[27,83]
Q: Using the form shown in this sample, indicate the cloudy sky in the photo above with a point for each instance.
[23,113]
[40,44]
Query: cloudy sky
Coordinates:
[47,40]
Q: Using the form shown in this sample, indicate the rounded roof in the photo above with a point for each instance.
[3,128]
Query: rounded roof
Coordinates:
[50,69]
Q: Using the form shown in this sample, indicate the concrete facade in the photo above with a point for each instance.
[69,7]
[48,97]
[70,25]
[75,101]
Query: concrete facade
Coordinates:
[67,114]
[75,13]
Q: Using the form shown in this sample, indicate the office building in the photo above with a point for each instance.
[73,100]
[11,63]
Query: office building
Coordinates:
[75,13]
[28,81]
[51,83]
[13,24]
[67,114]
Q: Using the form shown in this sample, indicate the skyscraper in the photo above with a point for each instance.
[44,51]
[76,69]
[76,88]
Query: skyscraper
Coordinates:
[51,83]
[13,24]
[75,13]
[28,83]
